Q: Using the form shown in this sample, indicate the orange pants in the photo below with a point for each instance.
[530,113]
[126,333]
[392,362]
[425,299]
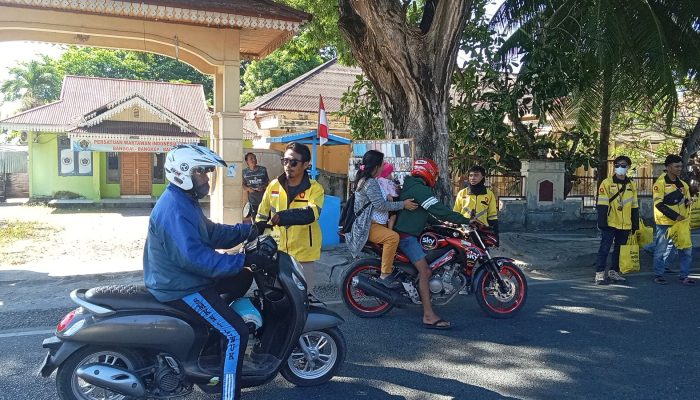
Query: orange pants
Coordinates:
[389,239]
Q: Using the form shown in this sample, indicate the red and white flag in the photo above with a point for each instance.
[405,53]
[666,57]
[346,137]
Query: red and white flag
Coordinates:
[322,123]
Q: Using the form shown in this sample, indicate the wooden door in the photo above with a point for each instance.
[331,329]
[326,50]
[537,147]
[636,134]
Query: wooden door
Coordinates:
[136,173]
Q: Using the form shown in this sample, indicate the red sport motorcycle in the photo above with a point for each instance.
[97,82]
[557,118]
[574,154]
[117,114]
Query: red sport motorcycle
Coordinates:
[459,259]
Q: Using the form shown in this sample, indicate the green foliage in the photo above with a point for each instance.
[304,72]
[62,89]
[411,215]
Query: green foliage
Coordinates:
[667,147]
[361,108]
[33,82]
[280,67]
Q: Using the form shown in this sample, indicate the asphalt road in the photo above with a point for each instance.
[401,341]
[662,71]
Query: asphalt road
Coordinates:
[573,340]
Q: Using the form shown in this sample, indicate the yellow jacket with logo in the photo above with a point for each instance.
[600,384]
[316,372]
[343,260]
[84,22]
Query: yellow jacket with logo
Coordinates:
[299,233]
[623,211]
[669,200]
[483,207]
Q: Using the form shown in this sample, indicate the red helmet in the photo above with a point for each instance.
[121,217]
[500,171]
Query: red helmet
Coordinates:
[427,169]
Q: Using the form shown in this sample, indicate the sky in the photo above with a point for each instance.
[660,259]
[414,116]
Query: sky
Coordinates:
[16,52]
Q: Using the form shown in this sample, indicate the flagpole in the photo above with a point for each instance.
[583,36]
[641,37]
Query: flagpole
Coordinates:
[313,157]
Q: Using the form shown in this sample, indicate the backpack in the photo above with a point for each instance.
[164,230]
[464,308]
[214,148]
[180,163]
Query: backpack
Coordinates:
[348,215]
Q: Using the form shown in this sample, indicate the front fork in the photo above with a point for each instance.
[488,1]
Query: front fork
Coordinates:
[491,267]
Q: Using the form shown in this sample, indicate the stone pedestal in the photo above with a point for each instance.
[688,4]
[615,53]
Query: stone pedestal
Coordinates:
[544,184]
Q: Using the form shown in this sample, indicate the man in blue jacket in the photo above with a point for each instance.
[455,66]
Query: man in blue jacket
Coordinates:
[180,262]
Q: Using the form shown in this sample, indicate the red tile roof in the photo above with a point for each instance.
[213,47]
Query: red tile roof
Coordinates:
[301,94]
[81,95]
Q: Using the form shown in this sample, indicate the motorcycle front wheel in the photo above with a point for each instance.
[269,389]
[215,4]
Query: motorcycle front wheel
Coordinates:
[71,387]
[501,302]
[316,358]
[358,302]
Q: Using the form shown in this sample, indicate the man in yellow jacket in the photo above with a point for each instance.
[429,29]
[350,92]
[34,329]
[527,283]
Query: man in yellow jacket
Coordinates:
[671,202]
[292,203]
[476,201]
[618,215]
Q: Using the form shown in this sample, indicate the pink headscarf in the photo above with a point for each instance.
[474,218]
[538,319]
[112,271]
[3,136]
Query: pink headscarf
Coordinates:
[387,169]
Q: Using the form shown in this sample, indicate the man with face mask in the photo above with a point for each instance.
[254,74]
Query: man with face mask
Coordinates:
[476,201]
[181,265]
[618,215]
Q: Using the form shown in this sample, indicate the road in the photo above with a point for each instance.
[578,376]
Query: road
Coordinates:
[573,340]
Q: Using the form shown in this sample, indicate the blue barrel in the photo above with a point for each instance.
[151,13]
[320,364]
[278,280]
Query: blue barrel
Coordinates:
[330,214]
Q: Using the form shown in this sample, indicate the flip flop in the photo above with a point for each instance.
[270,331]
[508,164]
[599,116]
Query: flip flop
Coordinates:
[436,325]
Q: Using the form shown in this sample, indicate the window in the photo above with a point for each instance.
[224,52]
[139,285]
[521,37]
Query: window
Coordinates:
[113,173]
[158,168]
[73,163]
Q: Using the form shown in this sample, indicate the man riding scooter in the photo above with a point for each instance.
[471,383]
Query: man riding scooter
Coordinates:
[181,265]
[419,186]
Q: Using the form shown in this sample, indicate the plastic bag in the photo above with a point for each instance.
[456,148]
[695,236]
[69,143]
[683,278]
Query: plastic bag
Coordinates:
[645,234]
[679,233]
[629,256]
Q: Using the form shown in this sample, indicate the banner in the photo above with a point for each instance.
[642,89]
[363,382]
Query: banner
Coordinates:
[129,144]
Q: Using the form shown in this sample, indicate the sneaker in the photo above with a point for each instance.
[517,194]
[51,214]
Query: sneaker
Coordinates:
[615,277]
[687,281]
[600,278]
[390,282]
[660,280]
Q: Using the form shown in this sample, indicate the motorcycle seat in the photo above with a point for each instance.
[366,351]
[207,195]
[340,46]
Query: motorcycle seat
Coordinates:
[125,297]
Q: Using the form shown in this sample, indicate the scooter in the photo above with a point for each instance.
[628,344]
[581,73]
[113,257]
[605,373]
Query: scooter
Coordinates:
[121,343]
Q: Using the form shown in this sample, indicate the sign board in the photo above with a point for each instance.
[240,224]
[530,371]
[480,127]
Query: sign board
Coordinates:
[128,144]
[397,152]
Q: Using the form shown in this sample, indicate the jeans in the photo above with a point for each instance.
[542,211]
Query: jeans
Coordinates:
[664,248]
[610,235]
[412,249]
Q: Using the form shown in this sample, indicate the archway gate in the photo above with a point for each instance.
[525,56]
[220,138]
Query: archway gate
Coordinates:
[212,36]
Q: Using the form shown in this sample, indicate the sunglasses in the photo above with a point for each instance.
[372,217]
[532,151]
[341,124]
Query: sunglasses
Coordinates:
[293,162]
[202,170]
[620,165]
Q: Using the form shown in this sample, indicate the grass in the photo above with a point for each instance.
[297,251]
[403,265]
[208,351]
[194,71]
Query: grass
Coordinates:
[13,231]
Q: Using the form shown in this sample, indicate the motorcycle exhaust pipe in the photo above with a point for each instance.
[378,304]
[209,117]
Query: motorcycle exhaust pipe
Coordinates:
[364,284]
[112,378]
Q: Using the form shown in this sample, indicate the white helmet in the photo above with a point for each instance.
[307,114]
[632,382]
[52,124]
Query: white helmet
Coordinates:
[182,159]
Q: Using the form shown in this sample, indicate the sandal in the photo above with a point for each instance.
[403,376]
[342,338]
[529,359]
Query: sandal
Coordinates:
[687,281]
[660,280]
[439,324]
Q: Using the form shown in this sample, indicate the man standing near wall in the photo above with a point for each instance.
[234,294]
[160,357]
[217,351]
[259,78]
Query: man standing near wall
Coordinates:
[255,181]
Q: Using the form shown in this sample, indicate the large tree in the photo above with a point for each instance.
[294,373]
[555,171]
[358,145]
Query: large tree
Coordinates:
[623,54]
[34,82]
[410,67]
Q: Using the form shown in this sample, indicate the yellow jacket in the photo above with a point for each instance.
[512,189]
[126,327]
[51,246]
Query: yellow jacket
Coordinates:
[671,199]
[619,212]
[483,207]
[303,242]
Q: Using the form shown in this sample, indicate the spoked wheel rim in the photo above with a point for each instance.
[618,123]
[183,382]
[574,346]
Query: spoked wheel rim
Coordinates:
[504,301]
[85,391]
[314,356]
[358,298]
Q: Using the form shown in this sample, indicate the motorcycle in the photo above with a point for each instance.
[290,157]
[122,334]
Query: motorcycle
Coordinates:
[459,259]
[121,343]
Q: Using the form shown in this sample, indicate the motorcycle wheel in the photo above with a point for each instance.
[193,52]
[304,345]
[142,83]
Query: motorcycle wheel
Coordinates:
[496,303]
[359,302]
[70,387]
[316,358]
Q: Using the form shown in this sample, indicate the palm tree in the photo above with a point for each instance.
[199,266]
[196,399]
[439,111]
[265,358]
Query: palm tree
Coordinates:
[33,82]
[622,54]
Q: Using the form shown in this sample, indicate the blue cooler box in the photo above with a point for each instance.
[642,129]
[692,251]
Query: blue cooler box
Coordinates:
[330,214]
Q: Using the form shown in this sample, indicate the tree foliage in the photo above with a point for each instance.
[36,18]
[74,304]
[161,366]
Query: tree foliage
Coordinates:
[34,82]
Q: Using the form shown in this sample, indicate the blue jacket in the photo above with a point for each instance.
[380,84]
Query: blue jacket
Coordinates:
[180,256]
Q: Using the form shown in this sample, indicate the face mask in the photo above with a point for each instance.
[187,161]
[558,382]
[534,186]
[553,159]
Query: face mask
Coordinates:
[201,190]
[620,171]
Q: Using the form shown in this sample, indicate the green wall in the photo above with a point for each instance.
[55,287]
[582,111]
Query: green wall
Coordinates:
[43,169]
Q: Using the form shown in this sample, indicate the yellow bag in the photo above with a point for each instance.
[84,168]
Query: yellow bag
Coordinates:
[629,256]
[679,233]
[645,234]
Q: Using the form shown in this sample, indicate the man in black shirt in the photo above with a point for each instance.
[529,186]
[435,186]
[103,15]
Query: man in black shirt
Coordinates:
[255,181]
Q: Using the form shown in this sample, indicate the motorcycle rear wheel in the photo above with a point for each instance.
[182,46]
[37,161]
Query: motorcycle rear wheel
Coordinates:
[70,387]
[496,303]
[360,303]
[320,359]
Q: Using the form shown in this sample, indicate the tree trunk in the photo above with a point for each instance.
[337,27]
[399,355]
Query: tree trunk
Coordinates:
[411,70]
[605,119]
[691,145]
